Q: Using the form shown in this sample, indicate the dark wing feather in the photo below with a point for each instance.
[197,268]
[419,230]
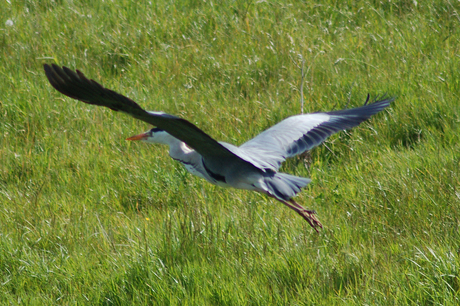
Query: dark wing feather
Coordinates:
[77,86]
[300,133]
[338,121]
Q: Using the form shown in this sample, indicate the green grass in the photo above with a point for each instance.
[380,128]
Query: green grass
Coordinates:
[89,218]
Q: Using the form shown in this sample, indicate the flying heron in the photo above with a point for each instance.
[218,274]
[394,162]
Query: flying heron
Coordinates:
[252,166]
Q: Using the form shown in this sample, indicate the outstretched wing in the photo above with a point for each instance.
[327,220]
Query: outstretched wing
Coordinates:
[300,133]
[77,86]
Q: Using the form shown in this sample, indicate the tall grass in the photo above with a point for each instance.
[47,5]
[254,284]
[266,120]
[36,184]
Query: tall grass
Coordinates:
[88,218]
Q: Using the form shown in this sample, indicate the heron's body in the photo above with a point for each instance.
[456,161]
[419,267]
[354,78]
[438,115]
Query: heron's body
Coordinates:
[189,158]
[252,166]
[195,164]
[265,180]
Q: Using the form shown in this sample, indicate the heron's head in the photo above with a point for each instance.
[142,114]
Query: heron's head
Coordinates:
[155,135]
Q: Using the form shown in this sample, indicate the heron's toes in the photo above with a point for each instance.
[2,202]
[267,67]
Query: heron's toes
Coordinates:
[309,216]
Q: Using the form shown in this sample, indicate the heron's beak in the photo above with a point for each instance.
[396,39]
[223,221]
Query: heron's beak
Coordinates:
[138,137]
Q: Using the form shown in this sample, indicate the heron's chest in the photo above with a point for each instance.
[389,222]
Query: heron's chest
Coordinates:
[202,171]
[193,170]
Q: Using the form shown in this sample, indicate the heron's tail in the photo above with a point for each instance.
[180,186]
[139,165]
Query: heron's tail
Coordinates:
[284,186]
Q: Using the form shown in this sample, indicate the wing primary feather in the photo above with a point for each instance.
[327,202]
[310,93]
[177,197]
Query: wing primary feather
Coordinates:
[367,99]
[77,86]
[304,132]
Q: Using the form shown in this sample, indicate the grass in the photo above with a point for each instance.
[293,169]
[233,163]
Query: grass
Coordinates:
[88,218]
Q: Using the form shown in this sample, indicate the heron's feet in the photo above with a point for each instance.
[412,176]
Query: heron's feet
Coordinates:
[308,215]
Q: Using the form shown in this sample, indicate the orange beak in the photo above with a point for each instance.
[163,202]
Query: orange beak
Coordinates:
[138,137]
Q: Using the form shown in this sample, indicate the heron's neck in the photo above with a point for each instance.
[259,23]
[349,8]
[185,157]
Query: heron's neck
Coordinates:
[178,150]
[181,152]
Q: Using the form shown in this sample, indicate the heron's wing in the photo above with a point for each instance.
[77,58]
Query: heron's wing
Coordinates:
[300,133]
[77,86]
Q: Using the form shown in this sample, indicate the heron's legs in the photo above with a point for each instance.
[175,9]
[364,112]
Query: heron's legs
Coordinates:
[308,215]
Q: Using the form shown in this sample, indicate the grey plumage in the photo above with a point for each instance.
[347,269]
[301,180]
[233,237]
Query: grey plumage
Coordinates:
[252,166]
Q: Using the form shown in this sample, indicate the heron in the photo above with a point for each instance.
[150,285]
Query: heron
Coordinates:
[252,166]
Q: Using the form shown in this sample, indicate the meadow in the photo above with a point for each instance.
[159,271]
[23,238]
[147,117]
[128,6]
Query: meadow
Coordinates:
[89,218]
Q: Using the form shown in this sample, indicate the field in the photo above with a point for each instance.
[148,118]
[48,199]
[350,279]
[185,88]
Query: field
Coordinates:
[89,218]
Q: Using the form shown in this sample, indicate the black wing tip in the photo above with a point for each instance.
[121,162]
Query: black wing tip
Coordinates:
[383,99]
[54,76]
[367,99]
[74,84]
[62,79]
[54,69]
[49,70]
[378,104]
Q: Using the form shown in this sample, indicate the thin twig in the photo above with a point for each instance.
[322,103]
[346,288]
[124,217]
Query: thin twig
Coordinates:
[308,70]
[303,74]
[301,87]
